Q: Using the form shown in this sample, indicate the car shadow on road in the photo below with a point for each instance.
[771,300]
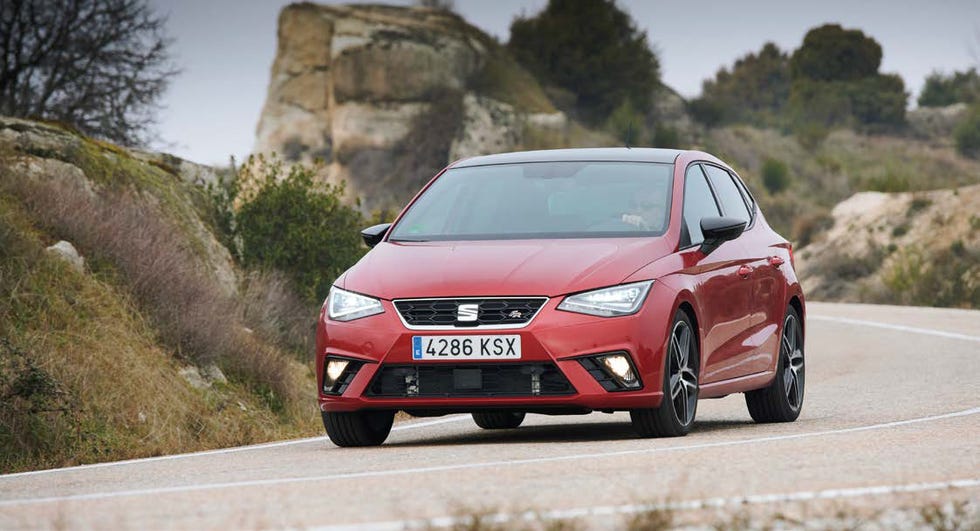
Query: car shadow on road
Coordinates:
[556,433]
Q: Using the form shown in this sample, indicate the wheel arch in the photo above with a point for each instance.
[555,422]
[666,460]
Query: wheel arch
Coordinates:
[688,309]
[797,303]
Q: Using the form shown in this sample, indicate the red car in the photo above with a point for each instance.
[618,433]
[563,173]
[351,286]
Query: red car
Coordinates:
[565,282]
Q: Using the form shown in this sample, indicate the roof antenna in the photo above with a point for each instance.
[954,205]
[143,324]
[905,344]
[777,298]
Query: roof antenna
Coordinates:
[629,133]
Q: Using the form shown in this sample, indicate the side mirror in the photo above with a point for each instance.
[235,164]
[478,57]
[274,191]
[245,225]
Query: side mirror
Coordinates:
[374,234]
[718,231]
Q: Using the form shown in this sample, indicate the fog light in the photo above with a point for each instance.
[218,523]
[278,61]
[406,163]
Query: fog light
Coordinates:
[334,369]
[337,374]
[620,367]
[614,371]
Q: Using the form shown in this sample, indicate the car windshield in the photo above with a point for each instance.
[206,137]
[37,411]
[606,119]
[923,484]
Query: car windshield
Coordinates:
[542,200]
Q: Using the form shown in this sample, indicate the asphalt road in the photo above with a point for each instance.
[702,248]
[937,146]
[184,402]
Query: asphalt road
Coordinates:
[892,412]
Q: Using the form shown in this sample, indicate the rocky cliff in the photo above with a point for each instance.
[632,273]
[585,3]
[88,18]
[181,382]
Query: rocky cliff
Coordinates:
[386,96]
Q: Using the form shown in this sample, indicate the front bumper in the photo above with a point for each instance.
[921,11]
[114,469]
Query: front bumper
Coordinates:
[553,337]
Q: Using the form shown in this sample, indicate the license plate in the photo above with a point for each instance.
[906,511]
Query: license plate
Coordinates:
[466,347]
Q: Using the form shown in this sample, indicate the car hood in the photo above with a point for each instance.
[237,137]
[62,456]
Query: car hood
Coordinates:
[499,268]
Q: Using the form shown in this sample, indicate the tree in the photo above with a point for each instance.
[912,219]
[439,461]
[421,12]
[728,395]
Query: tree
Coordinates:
[831,53]
[754,91]
[99,65]
[591,48]
[835,81]
[941,90]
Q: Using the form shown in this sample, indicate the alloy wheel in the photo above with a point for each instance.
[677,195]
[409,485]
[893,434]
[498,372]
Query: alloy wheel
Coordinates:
[683,379]
[791,350]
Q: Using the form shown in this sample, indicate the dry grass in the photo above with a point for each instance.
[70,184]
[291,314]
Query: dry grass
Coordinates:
[83,378]
[188,309]
[272,307]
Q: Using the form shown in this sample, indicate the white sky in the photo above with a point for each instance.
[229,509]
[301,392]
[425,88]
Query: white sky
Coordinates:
[226,48]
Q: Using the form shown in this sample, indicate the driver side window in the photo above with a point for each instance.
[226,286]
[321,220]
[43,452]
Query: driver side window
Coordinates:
[699,203]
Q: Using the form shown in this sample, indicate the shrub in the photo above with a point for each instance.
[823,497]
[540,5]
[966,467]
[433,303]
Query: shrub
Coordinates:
[942,90]
[298,225]
[949,277]
[754,91]
[627,125]
[807,226]
[665,136]
[775,175]
[967,134]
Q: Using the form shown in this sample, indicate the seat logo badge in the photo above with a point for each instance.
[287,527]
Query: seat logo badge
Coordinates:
[515,314]
[467,313]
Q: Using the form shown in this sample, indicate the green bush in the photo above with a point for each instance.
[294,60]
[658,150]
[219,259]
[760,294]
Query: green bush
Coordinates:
[775,175]
[941,90]
[967,134]
[947,277]
[297,224]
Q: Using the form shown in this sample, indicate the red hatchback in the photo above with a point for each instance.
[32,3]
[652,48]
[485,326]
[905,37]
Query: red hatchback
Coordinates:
[565,282]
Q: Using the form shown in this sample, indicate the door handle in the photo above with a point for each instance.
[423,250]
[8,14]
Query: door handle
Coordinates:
[776,261]
[744,271]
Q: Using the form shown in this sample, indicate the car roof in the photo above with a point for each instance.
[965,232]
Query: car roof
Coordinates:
[619,154]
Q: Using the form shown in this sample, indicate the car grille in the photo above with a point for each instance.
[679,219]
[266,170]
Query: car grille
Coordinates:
[492,311]
[470,380]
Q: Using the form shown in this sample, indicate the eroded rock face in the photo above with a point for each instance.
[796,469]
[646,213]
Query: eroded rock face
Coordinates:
[876,236]
[382,95]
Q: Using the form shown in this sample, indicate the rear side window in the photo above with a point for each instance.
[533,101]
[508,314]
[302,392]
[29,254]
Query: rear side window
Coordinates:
[698,203]
[732,202]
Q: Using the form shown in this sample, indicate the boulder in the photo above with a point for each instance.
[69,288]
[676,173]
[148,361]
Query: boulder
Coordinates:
[66,251]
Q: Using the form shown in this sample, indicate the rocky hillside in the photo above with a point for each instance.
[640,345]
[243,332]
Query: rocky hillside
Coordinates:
[126,327]
[918,248]
[387,96]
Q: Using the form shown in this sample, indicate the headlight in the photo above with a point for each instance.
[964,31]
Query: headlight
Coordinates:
[346,306]
[608,302]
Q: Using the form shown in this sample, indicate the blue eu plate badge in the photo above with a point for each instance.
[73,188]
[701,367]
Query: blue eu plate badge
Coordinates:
[416,348]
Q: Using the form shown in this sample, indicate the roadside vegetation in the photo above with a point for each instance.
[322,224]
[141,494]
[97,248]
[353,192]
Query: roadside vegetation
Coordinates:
[282,218]
[156,345]
[959,515]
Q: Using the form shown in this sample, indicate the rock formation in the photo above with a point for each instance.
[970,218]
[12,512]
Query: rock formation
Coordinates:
[386,96]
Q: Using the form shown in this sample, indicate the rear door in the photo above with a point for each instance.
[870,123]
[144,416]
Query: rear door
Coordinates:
[723,298]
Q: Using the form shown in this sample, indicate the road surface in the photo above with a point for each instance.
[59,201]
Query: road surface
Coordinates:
[892,413]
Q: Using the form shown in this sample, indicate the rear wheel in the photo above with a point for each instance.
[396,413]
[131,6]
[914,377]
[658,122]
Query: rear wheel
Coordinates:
[498,420]
[675,416]
[358,428]
[782,401]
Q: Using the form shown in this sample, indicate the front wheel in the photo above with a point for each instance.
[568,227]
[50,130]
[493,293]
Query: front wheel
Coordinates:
[358,428]
[782,401]
[675,416]
[498,420]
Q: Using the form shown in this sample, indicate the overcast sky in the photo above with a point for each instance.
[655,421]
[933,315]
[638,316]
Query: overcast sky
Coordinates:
[226,48]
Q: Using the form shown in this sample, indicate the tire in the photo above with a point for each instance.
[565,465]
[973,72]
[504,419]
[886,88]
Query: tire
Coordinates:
[358,428]
[782,401]
[498,420]
[677,410]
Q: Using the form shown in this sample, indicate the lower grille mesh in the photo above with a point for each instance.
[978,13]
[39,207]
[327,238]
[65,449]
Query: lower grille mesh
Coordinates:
[470,380]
